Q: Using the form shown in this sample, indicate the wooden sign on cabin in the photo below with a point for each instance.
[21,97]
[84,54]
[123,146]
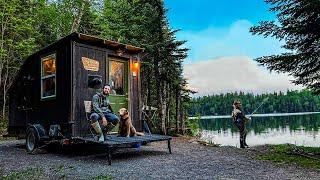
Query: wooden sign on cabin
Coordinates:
[90,64]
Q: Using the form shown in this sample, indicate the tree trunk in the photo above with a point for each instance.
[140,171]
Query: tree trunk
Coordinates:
[5,89]
[177,110]
[77,18]
[168,107]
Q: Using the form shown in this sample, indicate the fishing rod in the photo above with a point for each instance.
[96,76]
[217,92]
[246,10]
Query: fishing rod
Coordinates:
[263,101]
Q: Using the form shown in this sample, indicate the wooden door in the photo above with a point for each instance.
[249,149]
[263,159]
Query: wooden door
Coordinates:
[118,79]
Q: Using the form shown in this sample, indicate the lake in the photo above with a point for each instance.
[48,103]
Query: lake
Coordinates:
[294,129]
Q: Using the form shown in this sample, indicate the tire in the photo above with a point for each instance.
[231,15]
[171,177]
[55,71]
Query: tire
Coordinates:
[32,140]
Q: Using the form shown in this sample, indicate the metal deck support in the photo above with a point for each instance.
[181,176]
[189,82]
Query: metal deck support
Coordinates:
[109,155]
[169,146]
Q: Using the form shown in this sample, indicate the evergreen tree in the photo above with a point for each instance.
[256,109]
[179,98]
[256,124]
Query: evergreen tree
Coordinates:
[144,23]
[298,26]
[221,104]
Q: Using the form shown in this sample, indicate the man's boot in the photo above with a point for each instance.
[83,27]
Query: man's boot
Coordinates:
[244,142]
[97,128]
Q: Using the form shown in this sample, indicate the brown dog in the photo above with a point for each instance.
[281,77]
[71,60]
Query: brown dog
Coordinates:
[126,128]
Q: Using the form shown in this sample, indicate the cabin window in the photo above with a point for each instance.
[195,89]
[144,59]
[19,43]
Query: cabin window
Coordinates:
[117,77]
[48,76]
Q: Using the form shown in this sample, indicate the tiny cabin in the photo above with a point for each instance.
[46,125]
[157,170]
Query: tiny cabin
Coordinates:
[53,84]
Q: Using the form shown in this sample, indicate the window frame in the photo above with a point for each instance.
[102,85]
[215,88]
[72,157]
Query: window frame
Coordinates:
[42,77]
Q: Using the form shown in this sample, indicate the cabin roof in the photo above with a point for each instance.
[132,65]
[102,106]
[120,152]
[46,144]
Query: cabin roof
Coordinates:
[75,36]
[109,43]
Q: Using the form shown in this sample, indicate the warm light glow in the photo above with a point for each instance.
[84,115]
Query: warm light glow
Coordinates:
[49,66]
[136,65]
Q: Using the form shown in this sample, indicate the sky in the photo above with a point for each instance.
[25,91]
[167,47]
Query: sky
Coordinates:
[222,50]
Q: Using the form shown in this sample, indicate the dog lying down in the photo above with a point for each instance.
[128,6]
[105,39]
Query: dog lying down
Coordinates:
[126,128]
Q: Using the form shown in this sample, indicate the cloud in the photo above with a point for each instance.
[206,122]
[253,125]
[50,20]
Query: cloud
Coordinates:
[235,40]
[235,73]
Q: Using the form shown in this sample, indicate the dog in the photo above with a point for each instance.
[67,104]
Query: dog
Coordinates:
[126,128]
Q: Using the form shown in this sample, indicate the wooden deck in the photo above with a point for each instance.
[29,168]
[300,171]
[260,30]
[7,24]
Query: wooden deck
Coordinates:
[113,142]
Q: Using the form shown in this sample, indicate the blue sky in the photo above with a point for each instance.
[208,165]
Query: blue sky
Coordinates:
[221,28]
[222,50]
[197,15]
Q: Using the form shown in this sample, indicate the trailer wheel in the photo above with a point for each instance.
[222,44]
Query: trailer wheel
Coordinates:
[32,140]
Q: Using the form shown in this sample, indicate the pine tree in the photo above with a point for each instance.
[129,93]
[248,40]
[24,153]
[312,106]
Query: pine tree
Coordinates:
[298,26]
[143,23]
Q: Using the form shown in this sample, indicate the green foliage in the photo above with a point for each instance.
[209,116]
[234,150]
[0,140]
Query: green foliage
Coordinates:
[3,128]
[17,40]
[298,26]
[103,177]
[292,101]
[29,173]
[193,126]
[61,171]
[285,154]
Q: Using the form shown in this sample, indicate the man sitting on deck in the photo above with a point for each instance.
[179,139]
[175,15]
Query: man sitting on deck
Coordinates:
[102,111]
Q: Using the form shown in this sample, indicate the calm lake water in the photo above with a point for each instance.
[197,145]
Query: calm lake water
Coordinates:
[298,129]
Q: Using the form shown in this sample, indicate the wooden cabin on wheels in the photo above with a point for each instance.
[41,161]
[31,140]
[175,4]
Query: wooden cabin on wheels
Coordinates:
[47,99]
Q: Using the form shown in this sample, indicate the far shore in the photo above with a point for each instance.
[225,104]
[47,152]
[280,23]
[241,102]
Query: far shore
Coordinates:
[257,115]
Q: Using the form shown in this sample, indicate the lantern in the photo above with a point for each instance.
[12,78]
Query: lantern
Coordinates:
[135,68]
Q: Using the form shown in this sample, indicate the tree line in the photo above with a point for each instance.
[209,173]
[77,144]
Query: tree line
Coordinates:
[289,102]
[29,25]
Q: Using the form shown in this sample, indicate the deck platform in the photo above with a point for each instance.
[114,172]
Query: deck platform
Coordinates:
[113,142]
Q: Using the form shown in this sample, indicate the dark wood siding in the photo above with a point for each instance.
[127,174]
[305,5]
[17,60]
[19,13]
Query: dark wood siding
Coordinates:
[81,92]
[134,99]
[26,105]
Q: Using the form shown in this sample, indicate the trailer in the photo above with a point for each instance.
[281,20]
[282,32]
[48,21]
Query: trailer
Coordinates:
[48,96]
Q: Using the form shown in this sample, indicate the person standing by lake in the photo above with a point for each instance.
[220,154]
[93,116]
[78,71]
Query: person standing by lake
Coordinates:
[239,119]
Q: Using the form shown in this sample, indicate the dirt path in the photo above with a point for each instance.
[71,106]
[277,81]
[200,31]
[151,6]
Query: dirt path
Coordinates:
[188,161]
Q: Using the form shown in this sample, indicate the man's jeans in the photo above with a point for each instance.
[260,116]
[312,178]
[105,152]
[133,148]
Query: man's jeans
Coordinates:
[111,117]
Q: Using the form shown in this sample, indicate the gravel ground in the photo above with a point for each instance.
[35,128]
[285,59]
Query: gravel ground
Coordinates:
[188,161]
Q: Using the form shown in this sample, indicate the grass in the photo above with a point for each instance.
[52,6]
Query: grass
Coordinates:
[103,177]
[29,173]
[60,170]
[288,154]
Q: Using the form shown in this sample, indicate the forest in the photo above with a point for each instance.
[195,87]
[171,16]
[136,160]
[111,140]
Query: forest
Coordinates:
[29,25]
[288,102]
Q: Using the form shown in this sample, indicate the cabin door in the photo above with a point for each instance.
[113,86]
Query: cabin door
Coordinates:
[118,79]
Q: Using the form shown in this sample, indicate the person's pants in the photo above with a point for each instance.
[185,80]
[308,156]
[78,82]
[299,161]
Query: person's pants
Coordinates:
[243,132]
[111,117]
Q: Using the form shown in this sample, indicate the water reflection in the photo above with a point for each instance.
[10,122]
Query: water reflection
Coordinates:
[299,130]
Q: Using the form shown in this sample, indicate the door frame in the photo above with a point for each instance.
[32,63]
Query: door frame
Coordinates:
[126,62]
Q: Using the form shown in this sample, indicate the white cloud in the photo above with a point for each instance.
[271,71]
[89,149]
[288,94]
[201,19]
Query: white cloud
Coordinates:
[231,66]
[235,40]
[235,73]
